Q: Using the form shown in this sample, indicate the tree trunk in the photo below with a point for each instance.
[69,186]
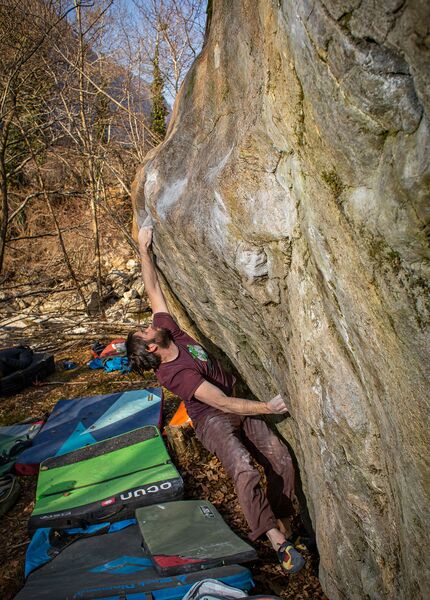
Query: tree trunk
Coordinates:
[89,152]
[4,189]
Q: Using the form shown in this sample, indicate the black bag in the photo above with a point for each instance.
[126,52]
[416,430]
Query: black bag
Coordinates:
[38,365]
[15,359]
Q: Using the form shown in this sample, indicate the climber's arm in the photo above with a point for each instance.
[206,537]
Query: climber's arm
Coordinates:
[150,278]
[210,394]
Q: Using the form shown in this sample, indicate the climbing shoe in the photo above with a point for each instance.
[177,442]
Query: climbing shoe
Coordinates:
[291,560]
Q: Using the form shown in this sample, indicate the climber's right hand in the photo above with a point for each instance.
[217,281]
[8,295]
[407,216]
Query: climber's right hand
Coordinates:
[277,405]
[145,238]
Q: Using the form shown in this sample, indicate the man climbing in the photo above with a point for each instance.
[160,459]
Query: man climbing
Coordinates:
[227,426]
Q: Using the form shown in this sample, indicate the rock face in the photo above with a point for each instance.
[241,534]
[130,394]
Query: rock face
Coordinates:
[290,200]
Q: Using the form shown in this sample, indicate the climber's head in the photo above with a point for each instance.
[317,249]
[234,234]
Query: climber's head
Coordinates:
[145,346]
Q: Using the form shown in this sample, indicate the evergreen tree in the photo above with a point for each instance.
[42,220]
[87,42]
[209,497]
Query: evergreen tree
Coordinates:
[159,110]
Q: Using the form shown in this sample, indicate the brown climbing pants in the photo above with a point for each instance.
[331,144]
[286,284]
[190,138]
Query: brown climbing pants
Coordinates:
[234,439]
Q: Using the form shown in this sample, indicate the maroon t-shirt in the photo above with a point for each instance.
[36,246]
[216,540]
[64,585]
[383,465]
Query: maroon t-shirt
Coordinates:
[190,369]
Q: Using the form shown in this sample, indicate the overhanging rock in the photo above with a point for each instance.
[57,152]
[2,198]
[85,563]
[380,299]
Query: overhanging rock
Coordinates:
[290,200]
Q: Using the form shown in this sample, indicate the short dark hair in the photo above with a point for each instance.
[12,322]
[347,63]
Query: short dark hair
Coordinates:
[139,357]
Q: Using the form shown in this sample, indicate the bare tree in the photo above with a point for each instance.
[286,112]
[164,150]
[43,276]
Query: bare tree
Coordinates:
[179,25]
[46,196]
[75,106]
[24,31]
[86,131]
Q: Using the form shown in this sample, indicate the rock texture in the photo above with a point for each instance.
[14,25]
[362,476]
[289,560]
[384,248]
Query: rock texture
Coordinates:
[290,200]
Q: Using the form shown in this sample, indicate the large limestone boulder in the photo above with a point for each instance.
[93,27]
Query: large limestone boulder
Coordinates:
[290,201]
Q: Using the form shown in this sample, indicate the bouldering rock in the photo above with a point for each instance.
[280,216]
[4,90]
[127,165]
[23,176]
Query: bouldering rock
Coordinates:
[290,200]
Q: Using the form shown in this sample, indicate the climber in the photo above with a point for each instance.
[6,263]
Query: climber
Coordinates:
[228,427]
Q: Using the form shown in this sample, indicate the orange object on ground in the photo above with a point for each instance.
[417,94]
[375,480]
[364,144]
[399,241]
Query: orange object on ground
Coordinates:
[115,348]
[180,417]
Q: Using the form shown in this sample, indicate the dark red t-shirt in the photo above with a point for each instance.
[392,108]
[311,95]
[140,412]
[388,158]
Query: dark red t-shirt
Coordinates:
[190,369]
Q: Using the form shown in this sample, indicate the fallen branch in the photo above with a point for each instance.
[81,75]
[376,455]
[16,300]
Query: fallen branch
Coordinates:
[50,281]
[37,293]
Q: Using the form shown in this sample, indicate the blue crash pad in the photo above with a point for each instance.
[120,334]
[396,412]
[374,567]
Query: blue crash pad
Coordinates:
[107,561]
[83,421]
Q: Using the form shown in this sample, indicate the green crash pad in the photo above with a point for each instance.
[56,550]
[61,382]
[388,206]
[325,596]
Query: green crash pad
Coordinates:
[189,535]
[107,480]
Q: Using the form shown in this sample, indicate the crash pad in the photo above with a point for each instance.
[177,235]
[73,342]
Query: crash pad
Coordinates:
[14,439]
[83,421]
[189,535]
[107,561]
[107,479]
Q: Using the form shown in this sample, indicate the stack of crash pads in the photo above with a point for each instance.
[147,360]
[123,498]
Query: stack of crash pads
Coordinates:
[105,480]
[84,421]
[108,561]
[86,542]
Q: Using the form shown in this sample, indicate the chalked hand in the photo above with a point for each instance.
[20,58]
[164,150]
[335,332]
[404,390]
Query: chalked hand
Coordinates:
[277,405]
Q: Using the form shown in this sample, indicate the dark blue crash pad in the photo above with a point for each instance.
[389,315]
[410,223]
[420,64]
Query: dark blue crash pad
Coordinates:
[107,561]
[83,421]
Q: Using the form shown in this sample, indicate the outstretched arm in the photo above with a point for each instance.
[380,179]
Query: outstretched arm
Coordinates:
[150,278]
[210,394]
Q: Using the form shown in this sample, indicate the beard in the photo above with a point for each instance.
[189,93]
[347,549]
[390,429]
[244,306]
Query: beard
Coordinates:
[163,337]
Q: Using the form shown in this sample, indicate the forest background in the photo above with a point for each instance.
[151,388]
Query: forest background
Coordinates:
[86,89]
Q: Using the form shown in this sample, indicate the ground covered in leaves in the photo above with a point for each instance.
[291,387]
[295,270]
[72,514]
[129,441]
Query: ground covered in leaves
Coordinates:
[203,476]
